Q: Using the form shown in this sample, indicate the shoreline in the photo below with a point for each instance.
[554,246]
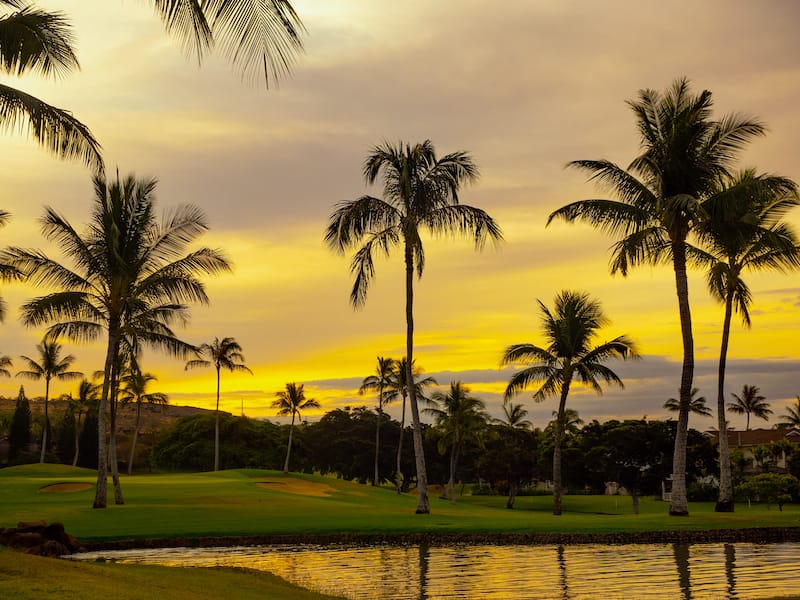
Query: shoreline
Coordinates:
[754,535]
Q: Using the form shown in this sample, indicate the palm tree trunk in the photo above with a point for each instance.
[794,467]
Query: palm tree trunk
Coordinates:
[512,494]
[289,446]
[725,499]
[77,441]
[423,505]
[135,435]
[102,464]
[562,405]
[378,435]
[451,487]
[679,505]
[112,443]
[216,428]
[399,473]
[46,419]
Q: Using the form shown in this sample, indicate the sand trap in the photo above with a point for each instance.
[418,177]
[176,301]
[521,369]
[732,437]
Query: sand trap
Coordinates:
[66,487]
[298,486]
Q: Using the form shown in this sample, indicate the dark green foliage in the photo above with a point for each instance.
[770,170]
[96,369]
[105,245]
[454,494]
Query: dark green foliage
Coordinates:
[19,433]
[702,492]
[771,488]
[87,441]
[509,460]
[65,436]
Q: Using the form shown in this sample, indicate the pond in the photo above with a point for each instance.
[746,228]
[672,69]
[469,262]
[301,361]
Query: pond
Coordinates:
[731,571]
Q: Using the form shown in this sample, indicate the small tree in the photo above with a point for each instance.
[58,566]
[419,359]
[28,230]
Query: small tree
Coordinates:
[772,487]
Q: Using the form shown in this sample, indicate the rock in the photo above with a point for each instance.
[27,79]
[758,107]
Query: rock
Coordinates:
[37,537]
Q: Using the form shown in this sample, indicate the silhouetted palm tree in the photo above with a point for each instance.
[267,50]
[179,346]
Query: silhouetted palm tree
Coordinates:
[290,402]
[88,395]
[697,405]
[420,192]
[683,154]
[131,273]
[135,390]
[5,364]
[380,381]
[398,388]
[751,402]
[514,416]
[792,416]
[569,332]
[33,40]
[461,418]
[50,365]
[744,231]
[221,354]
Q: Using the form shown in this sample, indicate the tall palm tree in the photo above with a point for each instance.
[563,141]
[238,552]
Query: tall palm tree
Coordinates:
[378,381]
[751,402]
[220,354]
[33,40]
[260,37]
[50,364]
[461,418]
[290,402]
[792,416]
[130,271]
[86,401]
[569,332]
[420,192]
[660,200]
[745,233]
[696,406]
[398,388]
[135,391]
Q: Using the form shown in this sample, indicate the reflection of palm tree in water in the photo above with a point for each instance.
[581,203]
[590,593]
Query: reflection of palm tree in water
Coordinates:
[424,555]
[562,571]
[730,563]
[681,552]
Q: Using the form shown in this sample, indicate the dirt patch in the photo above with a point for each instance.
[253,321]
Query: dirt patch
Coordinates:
[66,487]
[298,486]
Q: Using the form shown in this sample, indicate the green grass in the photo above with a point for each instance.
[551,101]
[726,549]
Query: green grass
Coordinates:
[229,503]
[25,577]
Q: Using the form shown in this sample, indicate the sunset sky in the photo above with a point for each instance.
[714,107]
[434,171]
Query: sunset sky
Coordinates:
[524,87]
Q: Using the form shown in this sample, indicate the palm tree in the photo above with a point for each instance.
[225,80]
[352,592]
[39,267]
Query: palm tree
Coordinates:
[50,365]
[569,332]
[744,231]
[751,402]
[661,199]
[696,406]
[420,192]
[792,416]
[135,390]
[290,402]
[86,401]
[514,416]
[398,388]
[221,354]
[379,381]
[131,273]
[461,418]
[260,37]
[570,423]
[5,364]
[7,272]
[38,41]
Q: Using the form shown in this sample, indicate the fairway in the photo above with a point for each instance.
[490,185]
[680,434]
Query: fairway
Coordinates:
[264,503]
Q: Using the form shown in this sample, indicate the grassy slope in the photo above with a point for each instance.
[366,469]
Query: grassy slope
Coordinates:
[25,577]
[230,503]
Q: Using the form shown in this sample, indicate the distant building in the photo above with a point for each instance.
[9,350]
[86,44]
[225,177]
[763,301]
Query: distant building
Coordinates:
[746,441]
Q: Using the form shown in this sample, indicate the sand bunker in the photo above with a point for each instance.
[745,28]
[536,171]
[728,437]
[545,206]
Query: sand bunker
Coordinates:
[66,487]
[298,486]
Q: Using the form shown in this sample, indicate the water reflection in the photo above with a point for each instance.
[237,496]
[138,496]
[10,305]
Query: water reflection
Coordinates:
[696,571]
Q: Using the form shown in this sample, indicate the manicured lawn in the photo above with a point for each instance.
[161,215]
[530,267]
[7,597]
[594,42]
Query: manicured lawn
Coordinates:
[258,502]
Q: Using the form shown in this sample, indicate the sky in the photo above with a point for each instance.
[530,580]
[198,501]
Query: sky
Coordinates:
[525,87]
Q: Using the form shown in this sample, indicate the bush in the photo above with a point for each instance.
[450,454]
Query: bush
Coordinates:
[702,492]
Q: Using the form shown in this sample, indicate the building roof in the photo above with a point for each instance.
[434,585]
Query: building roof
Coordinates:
[754,437]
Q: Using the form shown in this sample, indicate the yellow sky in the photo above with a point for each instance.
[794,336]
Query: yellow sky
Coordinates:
[525,88]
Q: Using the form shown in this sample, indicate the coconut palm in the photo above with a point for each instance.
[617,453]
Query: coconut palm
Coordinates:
[696,406]
[135,391]
[130,271]
[33,40]
[260,37]
[290,402]
[660,200]
[86,401]
[5,364]
[792,416]
[569,331]
[220,354]
[461,418]
[398,388]
[50,365]
[514,416]
[751,402]
[379,381]
[420,192]
[746,233]
[571,422]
